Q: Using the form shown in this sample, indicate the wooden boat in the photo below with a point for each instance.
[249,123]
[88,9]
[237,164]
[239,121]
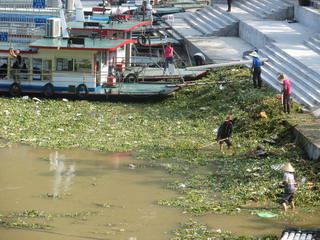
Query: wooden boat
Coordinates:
[84,60]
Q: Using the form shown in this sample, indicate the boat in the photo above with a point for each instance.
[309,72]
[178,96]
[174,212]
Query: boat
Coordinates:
[64,54]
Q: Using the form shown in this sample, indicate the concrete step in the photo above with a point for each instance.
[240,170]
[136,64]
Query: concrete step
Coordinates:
[227,26]
[313,45]
[297,63]
[269,7]
[183,29]
[220,21]
[209,20]
[247,9]
[194,23]
[289,65]
[263,10]
[203,23]
[300,84]
[268,77]
[297,86]
[223,15]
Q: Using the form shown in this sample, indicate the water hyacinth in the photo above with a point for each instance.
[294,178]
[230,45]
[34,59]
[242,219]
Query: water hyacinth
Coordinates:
[169,133]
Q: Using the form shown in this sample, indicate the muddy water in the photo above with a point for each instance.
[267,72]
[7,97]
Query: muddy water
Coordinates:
[120,199]
[111,200]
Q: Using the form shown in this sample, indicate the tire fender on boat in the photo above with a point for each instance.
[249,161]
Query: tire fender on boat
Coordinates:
[142,39]
[15,89]
[131,78]
[48,90]
[82,91]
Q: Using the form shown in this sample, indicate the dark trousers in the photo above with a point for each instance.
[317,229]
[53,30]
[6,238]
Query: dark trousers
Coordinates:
[166,63]
[229,5]
[257,77]
[199,60]
[286,103]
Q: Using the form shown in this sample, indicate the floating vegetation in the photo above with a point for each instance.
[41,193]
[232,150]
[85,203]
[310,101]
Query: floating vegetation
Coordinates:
[51,195]
[194,230]
[77,215]
[169,133]
[19,223]
[104,205]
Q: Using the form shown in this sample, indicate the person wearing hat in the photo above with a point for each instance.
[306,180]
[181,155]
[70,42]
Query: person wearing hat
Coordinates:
[225,132]
[289,187]
[286,91]
[256,69]
[199,59]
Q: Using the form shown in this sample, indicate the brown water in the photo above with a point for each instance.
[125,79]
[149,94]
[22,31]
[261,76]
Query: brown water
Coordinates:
[85,179]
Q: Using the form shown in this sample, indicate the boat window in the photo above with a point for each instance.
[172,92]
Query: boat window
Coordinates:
[41,69]
[64,64]
[82,65]
[69,64]
[3,67]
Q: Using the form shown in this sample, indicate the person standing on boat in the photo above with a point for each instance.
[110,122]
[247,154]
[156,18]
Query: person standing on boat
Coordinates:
[286,92]
[168,57]
[256,69]
[150,11]
[225,133]
[289,187]
[199,58]
[17,62]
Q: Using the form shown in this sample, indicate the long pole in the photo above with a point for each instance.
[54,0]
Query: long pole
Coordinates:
[209,66]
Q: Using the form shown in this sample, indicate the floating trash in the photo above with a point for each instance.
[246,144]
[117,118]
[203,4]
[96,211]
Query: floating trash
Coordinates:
[267,215]
[277,167]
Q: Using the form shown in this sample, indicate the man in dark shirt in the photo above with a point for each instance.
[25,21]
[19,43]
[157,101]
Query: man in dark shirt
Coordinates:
[17,63]
[256,69]
[225,133]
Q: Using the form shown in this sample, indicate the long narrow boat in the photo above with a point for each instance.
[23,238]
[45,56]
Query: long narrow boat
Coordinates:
[70,61]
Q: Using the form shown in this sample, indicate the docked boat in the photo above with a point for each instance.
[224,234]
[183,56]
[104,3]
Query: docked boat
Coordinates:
[51,49]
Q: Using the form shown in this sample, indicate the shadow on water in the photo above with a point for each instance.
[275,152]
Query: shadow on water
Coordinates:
[95,195]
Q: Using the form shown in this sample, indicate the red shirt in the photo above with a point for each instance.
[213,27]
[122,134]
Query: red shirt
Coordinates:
[286,86]
[168,51]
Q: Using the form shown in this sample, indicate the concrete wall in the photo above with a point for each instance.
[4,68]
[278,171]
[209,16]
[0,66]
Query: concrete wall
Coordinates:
[308,16]
[253,36]
[311,148]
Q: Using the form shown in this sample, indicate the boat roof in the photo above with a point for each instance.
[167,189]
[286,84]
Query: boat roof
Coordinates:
[115,26]
[89,44]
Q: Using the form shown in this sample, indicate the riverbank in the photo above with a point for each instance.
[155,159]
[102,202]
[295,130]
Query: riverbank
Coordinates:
[168,134]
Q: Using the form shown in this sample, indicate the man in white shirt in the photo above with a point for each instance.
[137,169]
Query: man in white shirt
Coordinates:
[150,11]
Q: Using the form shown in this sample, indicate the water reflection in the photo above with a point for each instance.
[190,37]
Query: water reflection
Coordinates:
[61,170]
[119,200]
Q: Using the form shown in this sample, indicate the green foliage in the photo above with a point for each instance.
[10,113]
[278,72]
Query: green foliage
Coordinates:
[168,134]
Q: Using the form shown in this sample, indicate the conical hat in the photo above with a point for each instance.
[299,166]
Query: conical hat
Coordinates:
[288,168]
[253,54]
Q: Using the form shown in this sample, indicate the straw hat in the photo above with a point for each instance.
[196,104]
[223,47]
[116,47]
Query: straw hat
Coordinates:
[253,54]
[288,168]
[227,118]
[281,77]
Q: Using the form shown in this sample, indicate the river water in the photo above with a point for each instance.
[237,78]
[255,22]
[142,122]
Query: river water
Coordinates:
[96,195]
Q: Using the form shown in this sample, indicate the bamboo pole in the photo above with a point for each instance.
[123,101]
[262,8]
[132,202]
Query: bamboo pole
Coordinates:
[209,66]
